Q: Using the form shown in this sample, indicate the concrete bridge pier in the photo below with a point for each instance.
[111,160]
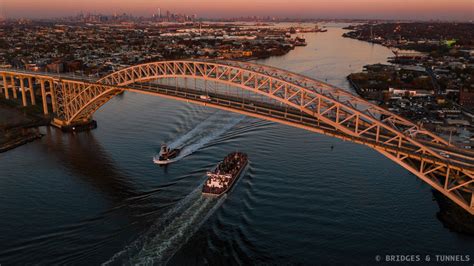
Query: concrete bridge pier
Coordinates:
[31,90]
[23,92]
[5,87]
[51,92]
[76,126]
[43,97]
[12,80]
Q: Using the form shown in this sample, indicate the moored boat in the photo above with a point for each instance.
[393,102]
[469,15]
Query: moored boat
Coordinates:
[221,179]
[300,41]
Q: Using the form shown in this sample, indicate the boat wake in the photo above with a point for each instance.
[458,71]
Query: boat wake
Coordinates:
[205,132]
[166,236]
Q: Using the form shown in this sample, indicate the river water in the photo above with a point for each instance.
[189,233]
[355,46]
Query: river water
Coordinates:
[96,197]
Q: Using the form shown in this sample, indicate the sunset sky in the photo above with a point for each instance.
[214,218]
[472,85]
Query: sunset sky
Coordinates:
[394,9]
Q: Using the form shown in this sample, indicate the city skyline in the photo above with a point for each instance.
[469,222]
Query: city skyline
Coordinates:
[182,132]
[462,10]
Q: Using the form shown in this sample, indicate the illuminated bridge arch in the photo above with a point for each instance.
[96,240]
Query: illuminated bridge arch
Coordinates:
[294,100]
[330,105]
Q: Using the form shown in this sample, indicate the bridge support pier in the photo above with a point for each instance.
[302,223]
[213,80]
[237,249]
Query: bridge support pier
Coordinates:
[76,126]
[5,87]
[23,92]
[12,80]
[43,97]
[54,102]
[32,91]
[2,89]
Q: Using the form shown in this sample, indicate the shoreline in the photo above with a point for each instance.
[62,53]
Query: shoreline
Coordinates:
[17,142]
[19,125]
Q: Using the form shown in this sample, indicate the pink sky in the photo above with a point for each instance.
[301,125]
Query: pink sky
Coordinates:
[397,9]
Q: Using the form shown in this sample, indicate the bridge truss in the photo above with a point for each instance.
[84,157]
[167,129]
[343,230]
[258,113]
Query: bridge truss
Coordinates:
[308,104]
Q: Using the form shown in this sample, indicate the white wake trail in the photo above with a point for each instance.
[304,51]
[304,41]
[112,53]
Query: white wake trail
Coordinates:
[200,127]
[207,131]
[167,235]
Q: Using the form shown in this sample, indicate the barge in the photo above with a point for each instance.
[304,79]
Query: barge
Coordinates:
[221,179]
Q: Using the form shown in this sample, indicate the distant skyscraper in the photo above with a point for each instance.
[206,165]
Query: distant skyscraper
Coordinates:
[159,12]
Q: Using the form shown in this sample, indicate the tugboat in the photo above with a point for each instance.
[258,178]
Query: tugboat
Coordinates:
[166,155]
[221,179]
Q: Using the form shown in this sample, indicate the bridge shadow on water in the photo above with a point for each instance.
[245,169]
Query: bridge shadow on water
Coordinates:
[152,224]
[83,155]
[128,214]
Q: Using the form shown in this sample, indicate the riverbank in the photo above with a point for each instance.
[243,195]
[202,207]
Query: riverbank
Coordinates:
[19,125]
[452,216]
[436,38]
[15,140]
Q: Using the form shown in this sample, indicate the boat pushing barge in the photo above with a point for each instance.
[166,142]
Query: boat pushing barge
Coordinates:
[225,174]
[166,155]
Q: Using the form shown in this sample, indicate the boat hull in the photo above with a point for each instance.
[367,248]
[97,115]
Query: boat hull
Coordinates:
[206,191]
[171,158]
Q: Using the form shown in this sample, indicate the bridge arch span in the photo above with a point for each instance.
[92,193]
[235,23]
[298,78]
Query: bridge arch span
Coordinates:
[331,105]
[308,104]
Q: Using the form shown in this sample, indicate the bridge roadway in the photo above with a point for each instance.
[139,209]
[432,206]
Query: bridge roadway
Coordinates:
[299,102]
[454,153]
[457,156]
[303,80]
[296,117]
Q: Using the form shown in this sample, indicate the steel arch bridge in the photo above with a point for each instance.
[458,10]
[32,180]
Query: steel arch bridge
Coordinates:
[293,100]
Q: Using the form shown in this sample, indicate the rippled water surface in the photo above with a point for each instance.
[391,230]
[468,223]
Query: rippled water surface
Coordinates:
[97,197]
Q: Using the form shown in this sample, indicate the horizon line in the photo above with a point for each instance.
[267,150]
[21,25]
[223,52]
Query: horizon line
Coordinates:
[277,17]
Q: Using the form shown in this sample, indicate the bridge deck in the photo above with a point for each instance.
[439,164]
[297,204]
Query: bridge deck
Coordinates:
[283,115]
[290,99]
